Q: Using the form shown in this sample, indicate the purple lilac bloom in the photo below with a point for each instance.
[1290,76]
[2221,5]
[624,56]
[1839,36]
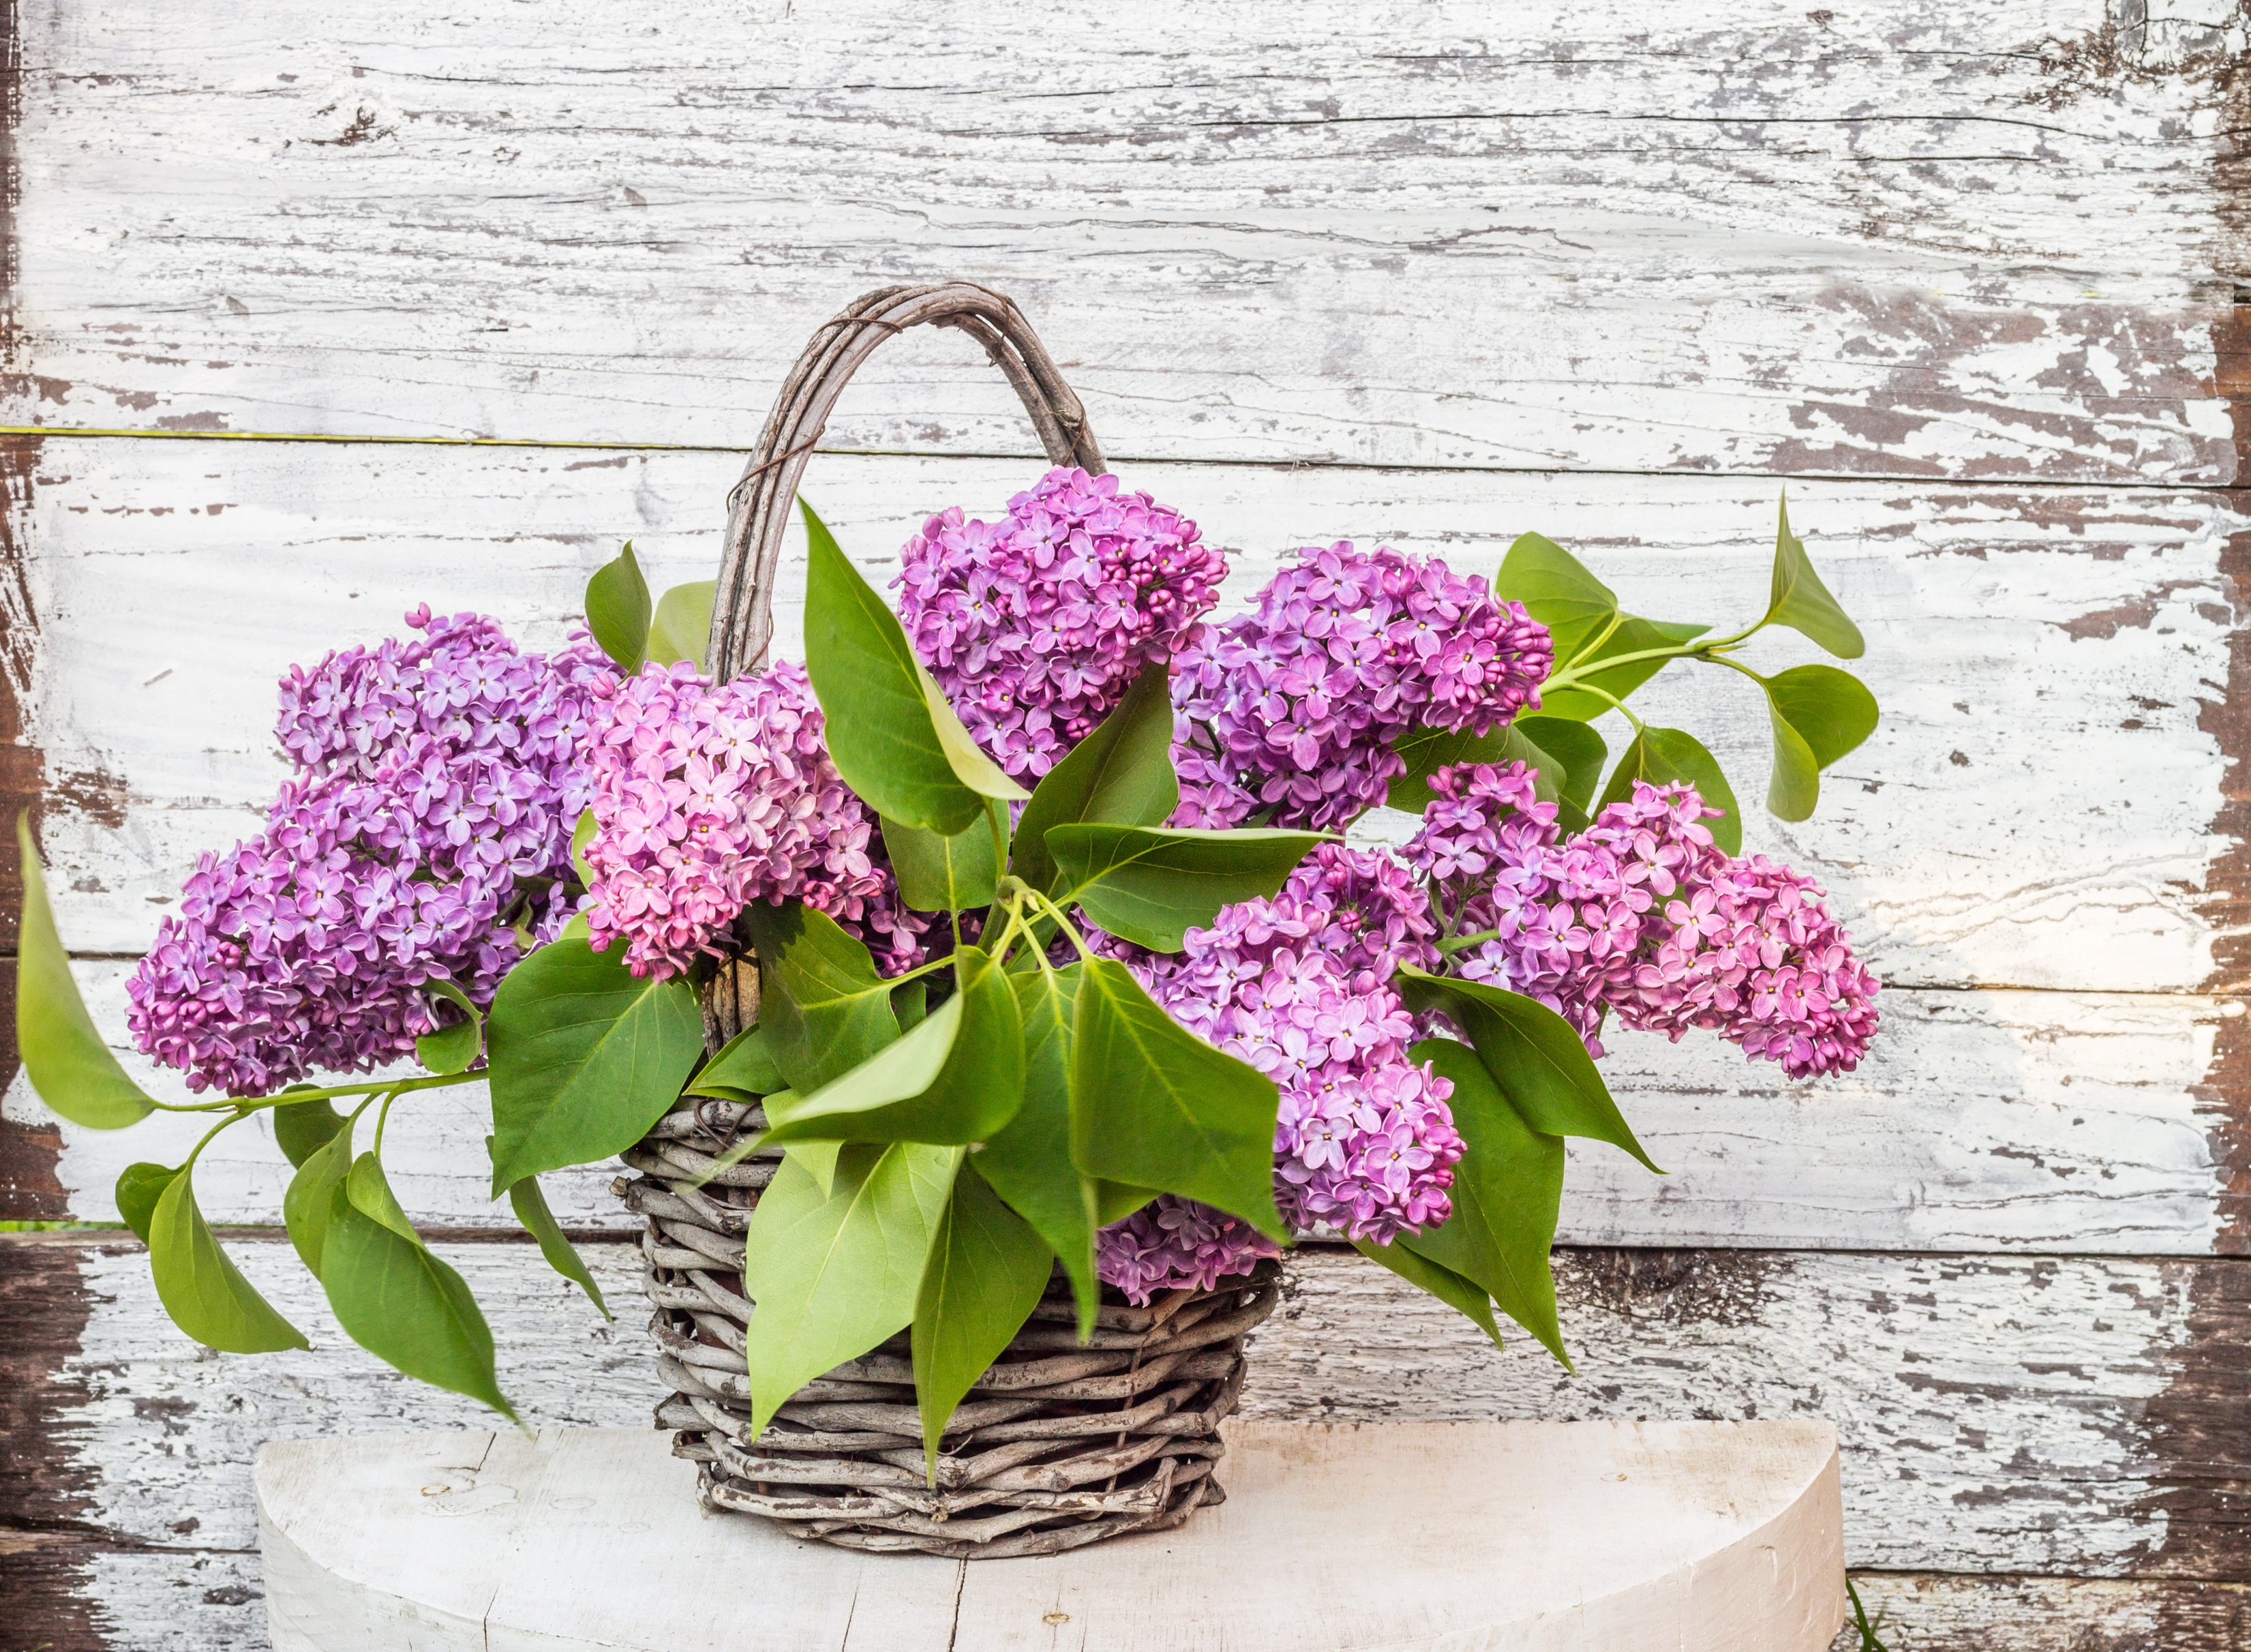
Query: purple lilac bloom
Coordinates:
[1290,709]
[1176,1244]
[1298,987]
[707,799]
[1036,625]
[1644,914]
[434,774]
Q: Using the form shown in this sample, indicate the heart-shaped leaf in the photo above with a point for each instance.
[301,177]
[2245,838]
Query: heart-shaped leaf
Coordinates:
[1121,774]
[1533,1055]
[986,1271]
[745,1065]
[944,874]
[823,1007]
[682,627]
[407,1306]
[835,1274]
[584,1057]
[1802,602]
[1667,756]
[1152,885]
[958,1077]
[618,611]
[63,1056]
[199,1285]
[1506,1190]
[1576,750]
[1153,1105]
[890,732]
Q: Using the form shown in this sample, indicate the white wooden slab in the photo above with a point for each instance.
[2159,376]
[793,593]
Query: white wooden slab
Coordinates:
[1662,1536]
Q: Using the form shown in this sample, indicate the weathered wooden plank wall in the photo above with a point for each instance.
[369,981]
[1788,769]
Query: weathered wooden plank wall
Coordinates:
[1965,277]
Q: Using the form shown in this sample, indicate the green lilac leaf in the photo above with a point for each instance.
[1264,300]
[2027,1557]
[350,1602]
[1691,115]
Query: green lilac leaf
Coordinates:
[1152,885]
[986,1271]
[1819,713]
[1665,756]
[1466,1296]
[1121,774]
[199,1285]
[682,627]
[744,1063]
[302,1129]
[63,1055]
[311,1195]
[910,1003]
[405,1305]
[1028,1162]
[1153,1105]
[452,1049]
[1556,589]
[1507,1189]
[835,1274]
[823,1007]
[1802,602]
[938,873]
[958,1077]
[139,1187]
[618,611]
[1427,751]
[369,1189]
[527,1199]
[890,732]
[584,1057]
[581,835]
[1533,1055]
[1576,749]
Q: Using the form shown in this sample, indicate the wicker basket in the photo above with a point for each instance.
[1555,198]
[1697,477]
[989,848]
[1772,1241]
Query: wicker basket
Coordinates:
[1057,1445]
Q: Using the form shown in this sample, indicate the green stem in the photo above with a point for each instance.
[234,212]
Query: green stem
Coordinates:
[1063,923]
[1618,618]
[1457,943]
[381,1119]
[249,1104]
[1570,674]
[1588,688]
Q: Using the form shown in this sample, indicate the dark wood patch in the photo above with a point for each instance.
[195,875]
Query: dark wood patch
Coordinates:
[46,1544]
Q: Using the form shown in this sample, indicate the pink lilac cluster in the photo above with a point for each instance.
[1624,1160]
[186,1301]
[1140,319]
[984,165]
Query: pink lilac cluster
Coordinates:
[438,778]
[1290,711]
[1176,1244]
[708,799]
[1644,914]
[1299,988]
[1036,625]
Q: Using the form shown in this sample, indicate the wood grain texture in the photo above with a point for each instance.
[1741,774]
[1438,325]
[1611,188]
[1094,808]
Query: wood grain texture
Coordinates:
[1914,240]
[1934,1611]
[1995,1411]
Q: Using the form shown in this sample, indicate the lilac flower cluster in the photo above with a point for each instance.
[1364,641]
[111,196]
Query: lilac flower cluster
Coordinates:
[1174,1243]
[708,799]
[1036,625]
[1644,914]
[1292,709]
[436,776]
[1298,987]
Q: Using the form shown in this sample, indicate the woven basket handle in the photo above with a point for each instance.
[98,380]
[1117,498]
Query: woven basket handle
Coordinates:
[759,508]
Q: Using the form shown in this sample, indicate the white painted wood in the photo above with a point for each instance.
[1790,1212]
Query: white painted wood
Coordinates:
[1993,1412]
[2072,1122]
[1500,1537]
[2035,810]
[1912,238]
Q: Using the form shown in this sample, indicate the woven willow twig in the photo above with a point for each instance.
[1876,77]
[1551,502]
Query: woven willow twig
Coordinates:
[1058,1444]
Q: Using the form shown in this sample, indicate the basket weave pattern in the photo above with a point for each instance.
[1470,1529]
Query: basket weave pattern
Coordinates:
[1057,1445]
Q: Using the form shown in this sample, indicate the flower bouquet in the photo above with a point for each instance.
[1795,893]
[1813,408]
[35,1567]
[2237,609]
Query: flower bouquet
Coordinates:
[988,999]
